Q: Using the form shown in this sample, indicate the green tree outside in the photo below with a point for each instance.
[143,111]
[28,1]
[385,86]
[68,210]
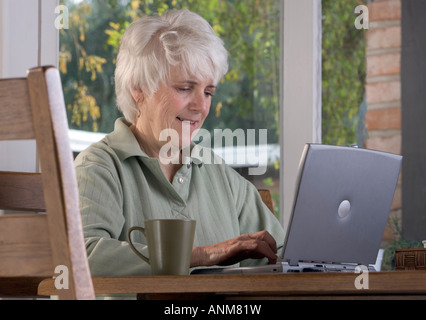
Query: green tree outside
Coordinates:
[249,94]
[343,68]
[248,97]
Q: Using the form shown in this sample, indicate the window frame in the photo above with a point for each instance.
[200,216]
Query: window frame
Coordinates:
[301,90]
[300,101]
[25,44]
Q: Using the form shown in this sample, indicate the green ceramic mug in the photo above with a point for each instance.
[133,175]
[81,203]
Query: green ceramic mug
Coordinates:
[169,244]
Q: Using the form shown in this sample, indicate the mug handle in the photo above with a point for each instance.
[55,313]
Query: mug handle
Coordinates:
[140,255]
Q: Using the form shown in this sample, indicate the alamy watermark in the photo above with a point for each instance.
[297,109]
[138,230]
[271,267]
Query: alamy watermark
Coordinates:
[62,278]
[362,281]
[255,162]
[362,21]
[237,141]
[62,20]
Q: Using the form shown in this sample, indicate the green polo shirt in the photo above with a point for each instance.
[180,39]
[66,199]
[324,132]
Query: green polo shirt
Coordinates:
[121,187]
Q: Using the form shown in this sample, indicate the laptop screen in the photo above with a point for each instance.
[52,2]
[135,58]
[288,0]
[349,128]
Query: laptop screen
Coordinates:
[343,199]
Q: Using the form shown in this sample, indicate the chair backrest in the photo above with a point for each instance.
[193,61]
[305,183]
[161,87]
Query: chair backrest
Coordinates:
[33,244]
[266,196]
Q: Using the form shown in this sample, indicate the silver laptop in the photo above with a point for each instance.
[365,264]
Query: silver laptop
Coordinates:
[341,207]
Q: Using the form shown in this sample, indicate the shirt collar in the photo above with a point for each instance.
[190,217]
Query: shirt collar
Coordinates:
[125,144]
[123,141]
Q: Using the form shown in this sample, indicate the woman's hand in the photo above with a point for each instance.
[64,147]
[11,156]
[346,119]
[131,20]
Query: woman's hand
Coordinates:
[248,246]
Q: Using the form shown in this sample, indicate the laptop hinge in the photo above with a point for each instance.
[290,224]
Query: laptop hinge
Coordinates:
[293,263]
[325,265]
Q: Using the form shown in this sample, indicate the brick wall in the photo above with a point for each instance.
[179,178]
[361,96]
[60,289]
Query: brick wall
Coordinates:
[383,85]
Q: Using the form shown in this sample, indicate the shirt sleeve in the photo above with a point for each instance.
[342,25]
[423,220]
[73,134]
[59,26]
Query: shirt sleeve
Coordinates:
[101,206]
[255,216]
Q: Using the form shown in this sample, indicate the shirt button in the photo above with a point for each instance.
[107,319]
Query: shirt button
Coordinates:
[181,180]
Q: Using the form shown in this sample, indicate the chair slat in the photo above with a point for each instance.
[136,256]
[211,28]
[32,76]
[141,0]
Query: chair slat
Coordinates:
[25,236]
[16,121]
[21,192]
[266,196]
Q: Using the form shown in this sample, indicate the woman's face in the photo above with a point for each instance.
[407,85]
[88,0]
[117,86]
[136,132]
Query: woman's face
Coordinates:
[180,104]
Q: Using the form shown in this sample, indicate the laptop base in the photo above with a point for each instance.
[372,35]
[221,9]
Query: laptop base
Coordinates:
[283,267]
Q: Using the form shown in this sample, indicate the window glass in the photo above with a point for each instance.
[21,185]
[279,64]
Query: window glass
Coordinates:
[246,104]
[343,73]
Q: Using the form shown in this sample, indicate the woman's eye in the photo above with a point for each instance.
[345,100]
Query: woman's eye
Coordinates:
[183,89]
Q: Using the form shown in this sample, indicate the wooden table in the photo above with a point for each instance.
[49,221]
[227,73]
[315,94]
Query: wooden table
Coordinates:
[381,285]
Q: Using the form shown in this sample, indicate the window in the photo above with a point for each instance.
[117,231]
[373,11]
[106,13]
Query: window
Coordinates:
[300,91]
[343,74]
[246,104]
[21,48]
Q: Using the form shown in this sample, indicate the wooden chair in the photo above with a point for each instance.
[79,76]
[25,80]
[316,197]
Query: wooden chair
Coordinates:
[266,196]
[33,244]
[42,229]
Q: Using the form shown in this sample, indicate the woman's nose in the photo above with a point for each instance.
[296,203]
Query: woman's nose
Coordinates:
[200,102]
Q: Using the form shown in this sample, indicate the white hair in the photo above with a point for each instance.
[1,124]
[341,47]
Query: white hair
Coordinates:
[152,45]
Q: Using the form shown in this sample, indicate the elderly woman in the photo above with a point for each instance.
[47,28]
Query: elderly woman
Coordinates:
[167,70]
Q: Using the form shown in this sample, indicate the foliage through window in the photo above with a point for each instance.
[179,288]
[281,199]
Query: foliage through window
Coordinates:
[247,98]
[343,74]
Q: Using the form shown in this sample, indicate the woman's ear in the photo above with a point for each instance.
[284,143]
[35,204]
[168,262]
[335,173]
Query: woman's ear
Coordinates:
[137,95]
